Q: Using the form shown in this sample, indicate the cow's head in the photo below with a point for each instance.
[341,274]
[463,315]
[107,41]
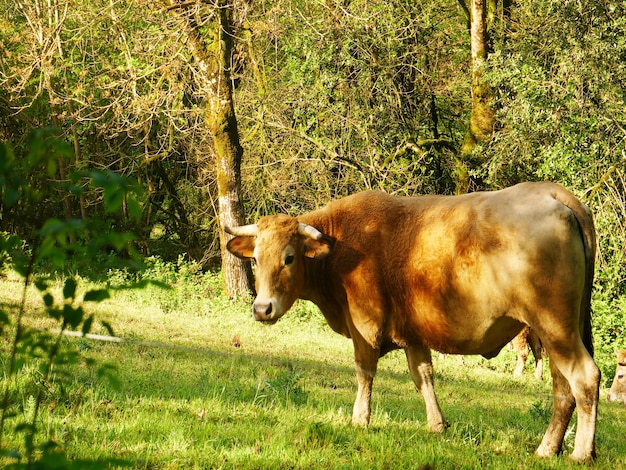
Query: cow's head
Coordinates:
[618,388]
[278,245]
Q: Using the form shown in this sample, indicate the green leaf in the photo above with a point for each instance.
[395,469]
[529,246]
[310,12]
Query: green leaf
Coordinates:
[87,324]
[96,295]
[51,226]
[113,198]
[41,284]
[107,326]
[51,167]
[11,196]
[6,158]
[134,207]
[76,190]
[48,299]
[69,289]
[73,316]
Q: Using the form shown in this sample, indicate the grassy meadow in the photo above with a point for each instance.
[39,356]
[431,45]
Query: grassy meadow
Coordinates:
[199,384]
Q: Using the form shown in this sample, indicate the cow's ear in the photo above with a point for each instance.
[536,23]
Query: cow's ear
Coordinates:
[317,248]
[241,247]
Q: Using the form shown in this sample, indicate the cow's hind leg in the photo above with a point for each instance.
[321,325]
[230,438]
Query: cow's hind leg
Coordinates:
[585,383]
[576,380]
[536,347]
[421,368]
[564,404]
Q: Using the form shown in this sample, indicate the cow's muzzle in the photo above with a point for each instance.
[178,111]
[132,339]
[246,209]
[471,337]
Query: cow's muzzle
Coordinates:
[265,310]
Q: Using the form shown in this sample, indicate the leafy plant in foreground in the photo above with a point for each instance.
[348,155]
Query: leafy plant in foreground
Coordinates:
[25,183]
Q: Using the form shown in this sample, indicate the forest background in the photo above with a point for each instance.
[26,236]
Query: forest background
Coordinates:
[330,97]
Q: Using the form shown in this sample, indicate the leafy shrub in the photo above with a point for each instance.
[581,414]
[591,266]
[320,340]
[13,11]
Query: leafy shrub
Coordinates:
[35,361]
[609,330]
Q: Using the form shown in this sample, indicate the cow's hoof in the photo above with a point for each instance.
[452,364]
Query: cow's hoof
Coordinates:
[582,457]
[439,427]
[546,452]
[360,421]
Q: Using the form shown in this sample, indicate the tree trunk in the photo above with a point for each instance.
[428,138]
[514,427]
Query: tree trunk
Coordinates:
[482,119]
[482,116]
[220,118]
[213,61]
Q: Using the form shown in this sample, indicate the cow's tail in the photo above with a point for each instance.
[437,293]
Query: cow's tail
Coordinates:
[588,235]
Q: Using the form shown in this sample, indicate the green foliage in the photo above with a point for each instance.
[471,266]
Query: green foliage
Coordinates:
[560,93]
[609,332]
[364,83]
[41,355]
[331,99]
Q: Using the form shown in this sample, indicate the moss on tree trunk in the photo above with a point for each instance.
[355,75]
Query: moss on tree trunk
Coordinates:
[213,59]
[482,118]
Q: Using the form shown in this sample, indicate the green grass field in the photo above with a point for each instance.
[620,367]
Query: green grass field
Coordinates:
[201,385]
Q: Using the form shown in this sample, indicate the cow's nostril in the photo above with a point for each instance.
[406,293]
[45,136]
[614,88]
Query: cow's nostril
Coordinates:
[262,311]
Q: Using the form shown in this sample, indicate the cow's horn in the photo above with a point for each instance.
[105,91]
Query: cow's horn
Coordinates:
[242,231]
[310,232]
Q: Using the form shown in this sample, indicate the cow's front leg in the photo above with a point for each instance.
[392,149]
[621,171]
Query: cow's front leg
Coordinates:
[366,361]
[421,368]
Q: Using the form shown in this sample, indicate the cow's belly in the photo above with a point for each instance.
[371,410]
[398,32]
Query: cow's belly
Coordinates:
[470,304]
[487,342]
[484,336]
[478,320]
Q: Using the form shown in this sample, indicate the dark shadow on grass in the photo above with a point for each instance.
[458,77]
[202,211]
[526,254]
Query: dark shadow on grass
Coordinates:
[297,382]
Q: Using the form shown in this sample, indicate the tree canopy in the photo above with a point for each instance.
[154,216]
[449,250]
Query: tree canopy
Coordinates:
[330,98]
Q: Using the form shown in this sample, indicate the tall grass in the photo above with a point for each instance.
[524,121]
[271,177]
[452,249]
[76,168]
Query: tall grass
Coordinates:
[199,384]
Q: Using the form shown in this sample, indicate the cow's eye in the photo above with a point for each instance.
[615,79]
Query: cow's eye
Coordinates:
[289,260]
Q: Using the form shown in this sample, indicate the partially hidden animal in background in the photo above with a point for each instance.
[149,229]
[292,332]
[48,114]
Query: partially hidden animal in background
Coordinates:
[523,344]
[618,388]
[457,274]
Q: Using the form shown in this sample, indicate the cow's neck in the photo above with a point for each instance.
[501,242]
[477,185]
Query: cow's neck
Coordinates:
[320,285]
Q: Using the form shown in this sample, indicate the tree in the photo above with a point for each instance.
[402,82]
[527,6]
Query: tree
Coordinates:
[559,89]
[481,120]
[481,16]
[213,56]
[358,95]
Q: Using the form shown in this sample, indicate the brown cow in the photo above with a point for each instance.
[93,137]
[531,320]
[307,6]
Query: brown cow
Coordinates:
[523,344]
[458,274]
[618,388]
